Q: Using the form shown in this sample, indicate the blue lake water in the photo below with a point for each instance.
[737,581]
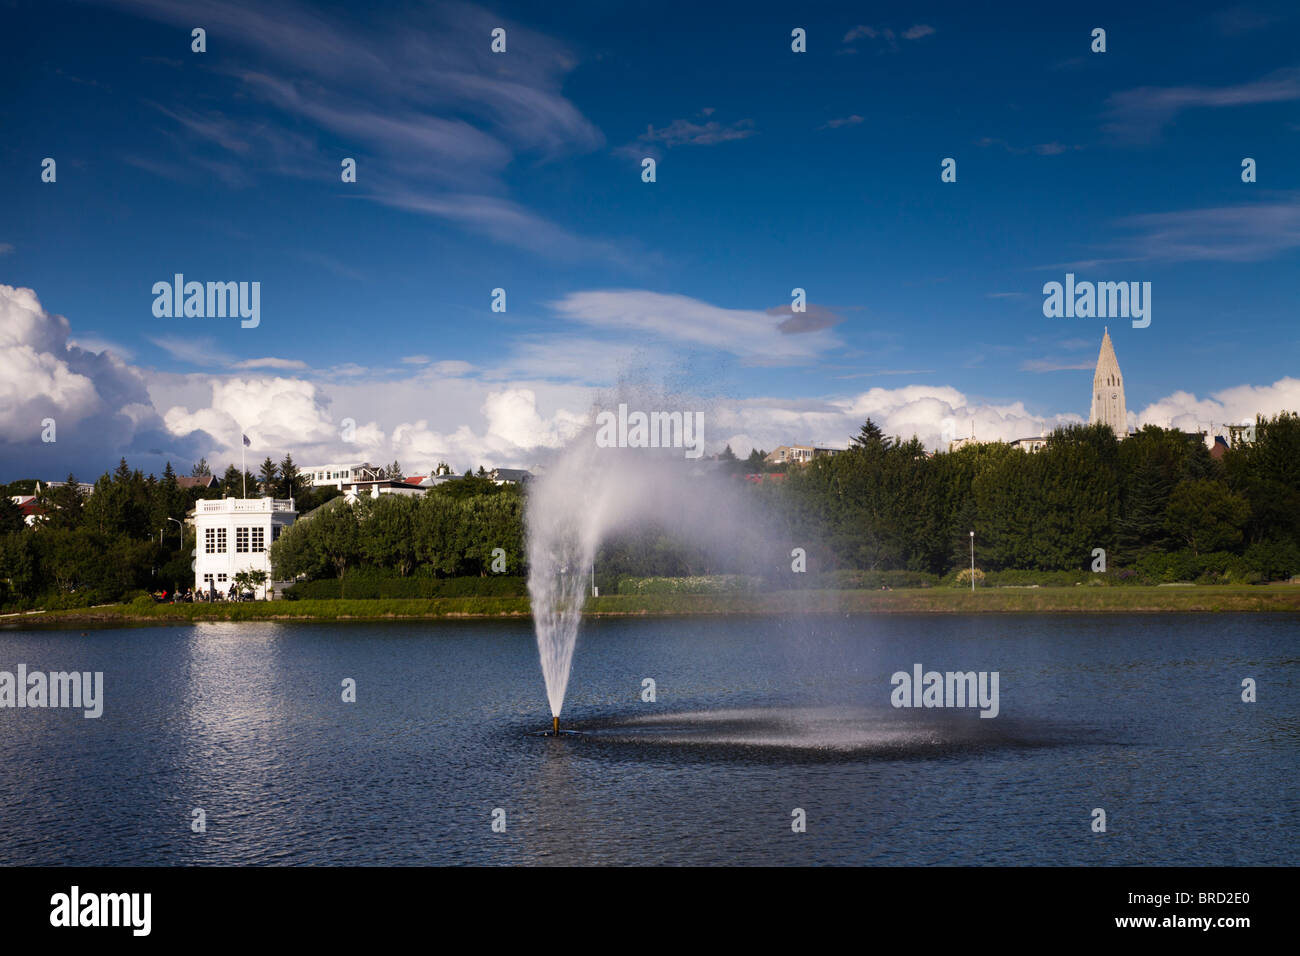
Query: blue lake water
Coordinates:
[1140,715]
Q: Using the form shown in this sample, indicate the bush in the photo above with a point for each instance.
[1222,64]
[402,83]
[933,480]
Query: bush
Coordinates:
[962,578]
[369,583]
[697,584]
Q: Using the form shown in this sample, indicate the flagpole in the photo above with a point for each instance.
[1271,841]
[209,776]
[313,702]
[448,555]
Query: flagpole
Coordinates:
[243,471]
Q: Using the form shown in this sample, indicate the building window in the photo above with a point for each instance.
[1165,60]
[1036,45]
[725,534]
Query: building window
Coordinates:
[259,541]
[241,540]
[214,541]
[207,580]
[221,579]
[275,532]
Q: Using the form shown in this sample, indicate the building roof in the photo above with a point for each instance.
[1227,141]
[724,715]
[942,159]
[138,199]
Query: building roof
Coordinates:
[197,481]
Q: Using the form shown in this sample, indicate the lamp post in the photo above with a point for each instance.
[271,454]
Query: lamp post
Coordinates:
[182,527]
[972,562]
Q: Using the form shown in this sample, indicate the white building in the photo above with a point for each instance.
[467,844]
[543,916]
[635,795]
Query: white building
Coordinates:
[339,474]
[1036,443]
[233,535]
[798,454]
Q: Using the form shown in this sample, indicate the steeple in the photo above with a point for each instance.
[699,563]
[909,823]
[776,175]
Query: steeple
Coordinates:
[1108,391]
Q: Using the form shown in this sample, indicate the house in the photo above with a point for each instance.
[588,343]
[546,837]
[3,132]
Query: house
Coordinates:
[798,454]
[30,507]
[197,481]
[85,487]
[1219,449]
[233,535]
[322,476]
[352,490]
[513,476]
[1037,443]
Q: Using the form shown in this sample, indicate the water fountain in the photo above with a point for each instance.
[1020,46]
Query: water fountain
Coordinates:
[589,492]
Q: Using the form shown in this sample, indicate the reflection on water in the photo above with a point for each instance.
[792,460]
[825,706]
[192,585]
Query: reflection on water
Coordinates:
[1141,715]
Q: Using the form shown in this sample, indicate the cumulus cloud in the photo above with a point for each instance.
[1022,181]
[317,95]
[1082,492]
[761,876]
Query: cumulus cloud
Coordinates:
[934,414]
[450,410]
[1237,405]
[515,433]
[273,412]
[97,401]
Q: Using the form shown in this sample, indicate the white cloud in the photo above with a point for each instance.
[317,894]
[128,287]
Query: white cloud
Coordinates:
[203,352]
[98,402]
[1239,404]
[273,412]
[468,416]
[752,334]
[270,362]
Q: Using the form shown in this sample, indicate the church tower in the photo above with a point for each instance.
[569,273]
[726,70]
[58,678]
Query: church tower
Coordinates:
[1108,391]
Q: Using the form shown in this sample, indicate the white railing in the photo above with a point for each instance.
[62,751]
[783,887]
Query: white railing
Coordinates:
[227,505]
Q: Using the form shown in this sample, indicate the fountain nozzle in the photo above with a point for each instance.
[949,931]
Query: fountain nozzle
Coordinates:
[555,725]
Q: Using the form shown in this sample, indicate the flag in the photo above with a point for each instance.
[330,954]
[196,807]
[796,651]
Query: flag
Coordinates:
[246,441]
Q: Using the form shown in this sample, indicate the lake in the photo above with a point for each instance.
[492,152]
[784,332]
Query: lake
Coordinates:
[1138,715]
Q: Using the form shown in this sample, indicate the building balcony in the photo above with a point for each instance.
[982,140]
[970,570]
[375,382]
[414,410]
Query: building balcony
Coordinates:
[242,506]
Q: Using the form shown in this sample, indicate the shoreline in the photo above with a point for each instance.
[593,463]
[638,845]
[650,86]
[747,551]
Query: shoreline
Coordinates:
[1123,600]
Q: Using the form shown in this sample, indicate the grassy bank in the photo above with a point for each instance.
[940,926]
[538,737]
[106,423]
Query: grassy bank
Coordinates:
[911,600]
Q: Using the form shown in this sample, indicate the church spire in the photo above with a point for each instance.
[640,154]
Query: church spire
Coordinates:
[1108,407]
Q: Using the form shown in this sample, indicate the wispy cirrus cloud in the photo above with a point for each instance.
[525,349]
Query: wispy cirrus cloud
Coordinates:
[1054,365]
[887,35]
[1250,232]
[852,120]
[435,117]
[752,335]
[1139,115]
[270,361]
[814,318]
[1042,149]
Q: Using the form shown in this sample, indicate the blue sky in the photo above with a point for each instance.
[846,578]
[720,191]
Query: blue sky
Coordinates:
[522,170]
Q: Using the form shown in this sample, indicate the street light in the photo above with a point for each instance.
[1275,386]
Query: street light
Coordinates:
[972,562]
[182,527]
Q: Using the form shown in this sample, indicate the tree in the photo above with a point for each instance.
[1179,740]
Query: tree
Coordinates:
[200,469]
[1206,515]
[11,516]
[395,471]
[870,438]
[231,482]
[62,504]
[291,481]
[267,477]
[387,526]
[335,533]
[249,579]
[294,553]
